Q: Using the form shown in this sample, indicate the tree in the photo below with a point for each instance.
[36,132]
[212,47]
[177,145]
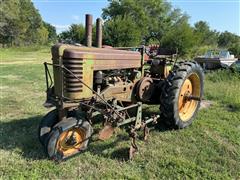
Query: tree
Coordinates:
[41,36]
[33,22]
[204,35]
[226,39]
[64,36]
[180,37]
[235,48]
[52,34]
[21,23]
[76,33]
[10,28]
[121,31]
[151,17]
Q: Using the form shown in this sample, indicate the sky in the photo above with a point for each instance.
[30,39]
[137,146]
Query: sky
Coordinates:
[222,15]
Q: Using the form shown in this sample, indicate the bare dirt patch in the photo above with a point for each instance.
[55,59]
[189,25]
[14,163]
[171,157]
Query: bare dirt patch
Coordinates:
[206,104]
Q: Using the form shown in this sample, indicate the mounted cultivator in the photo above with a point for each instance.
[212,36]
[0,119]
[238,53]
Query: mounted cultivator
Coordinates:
[111,84]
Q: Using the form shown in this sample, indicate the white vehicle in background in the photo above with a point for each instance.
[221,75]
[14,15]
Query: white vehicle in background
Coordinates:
[214,59]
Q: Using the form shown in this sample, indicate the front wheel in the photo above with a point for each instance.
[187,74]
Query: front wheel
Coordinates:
[46,125]
[181,94]
[68,137]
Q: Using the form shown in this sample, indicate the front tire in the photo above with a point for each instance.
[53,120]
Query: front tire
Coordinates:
[68,138]
[177,106]
[46,125]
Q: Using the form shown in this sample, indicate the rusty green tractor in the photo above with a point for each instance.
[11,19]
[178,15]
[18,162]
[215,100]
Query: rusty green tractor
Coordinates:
[89,84]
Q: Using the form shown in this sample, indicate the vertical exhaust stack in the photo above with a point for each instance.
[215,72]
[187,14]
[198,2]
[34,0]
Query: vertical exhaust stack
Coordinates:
[88,28]
[99,33]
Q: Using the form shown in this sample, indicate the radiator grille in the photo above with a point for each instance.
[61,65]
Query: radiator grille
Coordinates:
[71,83]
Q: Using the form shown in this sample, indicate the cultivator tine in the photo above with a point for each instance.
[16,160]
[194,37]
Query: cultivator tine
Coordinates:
[133,148]
[106,132]
[146,133]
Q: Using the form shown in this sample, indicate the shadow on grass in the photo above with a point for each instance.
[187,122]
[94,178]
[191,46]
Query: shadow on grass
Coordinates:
[21,136]
[122,153]
[99,148]
[232,107]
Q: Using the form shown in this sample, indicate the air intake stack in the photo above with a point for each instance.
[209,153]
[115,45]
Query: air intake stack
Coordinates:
[99,33]
[88,30]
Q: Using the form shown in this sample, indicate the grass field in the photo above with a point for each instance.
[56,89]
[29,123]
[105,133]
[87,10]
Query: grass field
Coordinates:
[208,149]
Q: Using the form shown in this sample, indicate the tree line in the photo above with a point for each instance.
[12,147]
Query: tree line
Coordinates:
[22,25]
[126,23]
[135,22]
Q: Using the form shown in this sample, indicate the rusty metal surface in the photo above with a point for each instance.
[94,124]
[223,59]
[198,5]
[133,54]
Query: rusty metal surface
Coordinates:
[121,91]
[106,59]
[88,30]
[102,55]
[83,61]
[99,32]
[106,132]
[145,89]
[71,84]
[76,50]
[81,71]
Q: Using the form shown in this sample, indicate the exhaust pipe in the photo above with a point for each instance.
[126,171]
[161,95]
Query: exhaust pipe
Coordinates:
[88,30]
[99,33]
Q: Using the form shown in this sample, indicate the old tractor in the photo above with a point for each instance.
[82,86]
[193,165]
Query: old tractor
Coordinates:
[110,85]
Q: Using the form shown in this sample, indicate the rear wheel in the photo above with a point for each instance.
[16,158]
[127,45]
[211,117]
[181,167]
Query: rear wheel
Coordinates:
[181,95]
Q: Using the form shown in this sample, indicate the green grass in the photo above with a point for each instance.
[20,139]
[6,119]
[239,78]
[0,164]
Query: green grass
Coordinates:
[208,149]
[33,54]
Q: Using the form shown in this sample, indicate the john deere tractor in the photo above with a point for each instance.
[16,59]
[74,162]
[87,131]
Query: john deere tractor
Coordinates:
[89,84]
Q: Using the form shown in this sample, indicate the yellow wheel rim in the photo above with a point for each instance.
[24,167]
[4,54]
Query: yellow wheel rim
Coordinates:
[190,87]
[71,141]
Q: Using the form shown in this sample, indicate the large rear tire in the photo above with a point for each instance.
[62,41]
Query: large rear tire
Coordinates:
[181,94]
